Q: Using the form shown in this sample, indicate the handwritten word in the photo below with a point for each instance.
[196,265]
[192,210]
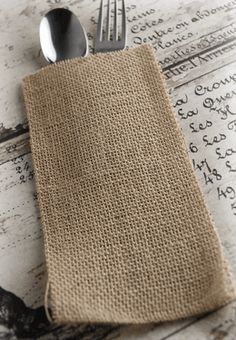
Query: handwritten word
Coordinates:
[193,148]
[224,112]
[200,126]
[209,178]
[220,36]
[188,114]
[141,27]
[229,192]
[200,166]
[216,139]
[232,125]
[229,152]
[216,53]
[181,101]
[142,15]
[177,54]
[206,13]
[200,90]
[221,99]
[180,69]
[174,41]
[231,169]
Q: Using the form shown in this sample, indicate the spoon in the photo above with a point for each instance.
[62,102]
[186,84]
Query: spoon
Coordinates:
[62,36]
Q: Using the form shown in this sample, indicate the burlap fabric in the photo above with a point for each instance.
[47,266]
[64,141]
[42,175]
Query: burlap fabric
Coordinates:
[128,238]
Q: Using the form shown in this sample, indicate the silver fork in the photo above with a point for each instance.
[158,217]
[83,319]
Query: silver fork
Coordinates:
[104,42]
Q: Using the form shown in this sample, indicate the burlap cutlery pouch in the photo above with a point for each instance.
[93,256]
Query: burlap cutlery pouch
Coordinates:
[128,238]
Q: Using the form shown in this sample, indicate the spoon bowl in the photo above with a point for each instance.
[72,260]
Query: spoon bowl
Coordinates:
[62,36]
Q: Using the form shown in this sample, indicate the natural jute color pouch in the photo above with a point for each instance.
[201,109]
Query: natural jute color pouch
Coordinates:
[128,238]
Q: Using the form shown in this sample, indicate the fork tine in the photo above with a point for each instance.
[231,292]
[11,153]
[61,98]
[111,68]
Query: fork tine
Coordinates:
[104,42]
[123,25]
[115,21]
[100,24]
[108,21]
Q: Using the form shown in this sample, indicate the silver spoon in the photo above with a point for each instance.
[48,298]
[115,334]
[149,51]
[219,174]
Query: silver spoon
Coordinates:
[62,36]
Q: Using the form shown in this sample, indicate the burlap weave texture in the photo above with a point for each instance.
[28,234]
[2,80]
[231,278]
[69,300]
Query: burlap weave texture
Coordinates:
[128,237]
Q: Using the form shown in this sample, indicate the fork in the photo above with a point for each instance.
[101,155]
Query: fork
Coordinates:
[105,41]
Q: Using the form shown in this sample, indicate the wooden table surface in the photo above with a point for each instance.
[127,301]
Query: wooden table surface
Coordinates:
[22,265]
